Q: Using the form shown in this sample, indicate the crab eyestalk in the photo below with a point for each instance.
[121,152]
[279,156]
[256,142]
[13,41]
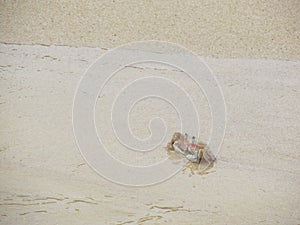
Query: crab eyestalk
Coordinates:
[193,140]
[186,136]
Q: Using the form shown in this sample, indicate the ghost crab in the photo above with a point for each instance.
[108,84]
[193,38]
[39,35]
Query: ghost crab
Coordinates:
[194,151]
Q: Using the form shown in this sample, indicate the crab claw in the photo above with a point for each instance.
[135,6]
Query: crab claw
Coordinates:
[177,148]
[193,158]
[209,156]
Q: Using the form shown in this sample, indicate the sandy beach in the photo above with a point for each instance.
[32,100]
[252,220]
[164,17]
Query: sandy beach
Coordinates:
[229,28]
[252,49]
[44,179]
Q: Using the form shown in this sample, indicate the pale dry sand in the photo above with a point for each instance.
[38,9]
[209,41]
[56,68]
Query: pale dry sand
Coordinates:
[228,28]
[44,179]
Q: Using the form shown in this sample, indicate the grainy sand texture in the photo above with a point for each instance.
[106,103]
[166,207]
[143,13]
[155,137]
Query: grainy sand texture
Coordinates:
[252,48]
[260,29]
